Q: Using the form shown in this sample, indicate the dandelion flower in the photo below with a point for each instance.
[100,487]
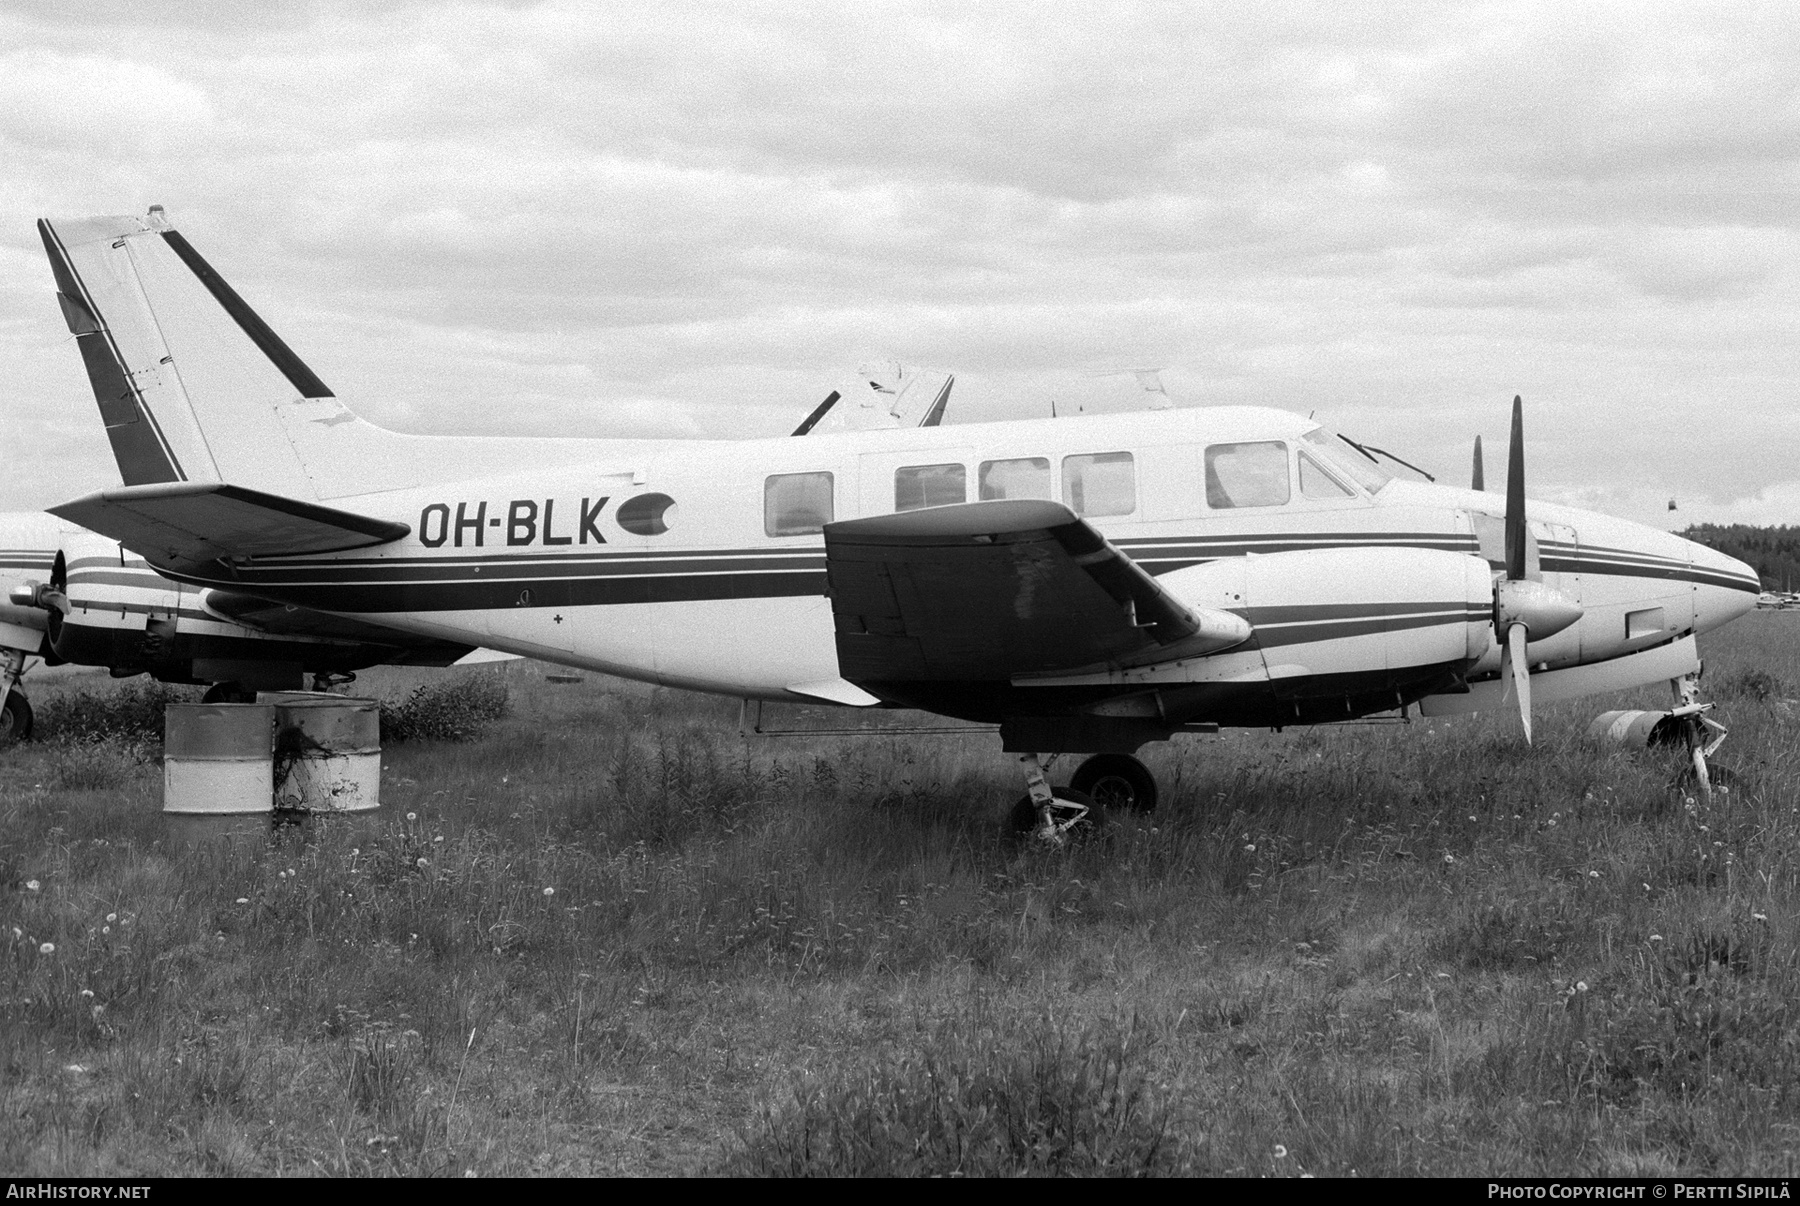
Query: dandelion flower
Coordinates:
[32,885]
[412,816]
[87,992]
[111,917]
[1250,849]
[1759,916]
[47,948]
[243,900]
[1656,938]
[549,891]
[1280,1152]
[17,933]
[1593,875]
[1581,986]
[106,929]
[1449,858]
[437,839]
[424,863]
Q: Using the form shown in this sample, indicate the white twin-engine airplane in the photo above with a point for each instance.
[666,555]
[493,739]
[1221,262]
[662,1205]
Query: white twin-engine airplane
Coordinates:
[1088,584]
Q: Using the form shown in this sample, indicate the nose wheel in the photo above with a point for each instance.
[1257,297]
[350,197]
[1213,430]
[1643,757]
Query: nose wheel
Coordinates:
[1703,734]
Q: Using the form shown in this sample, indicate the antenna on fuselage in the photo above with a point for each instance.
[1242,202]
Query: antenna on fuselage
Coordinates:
[1475,478]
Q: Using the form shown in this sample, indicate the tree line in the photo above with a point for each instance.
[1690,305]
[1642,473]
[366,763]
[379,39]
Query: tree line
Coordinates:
[1773,552]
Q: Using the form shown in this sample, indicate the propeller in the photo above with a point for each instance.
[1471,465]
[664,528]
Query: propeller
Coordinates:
[1523,610]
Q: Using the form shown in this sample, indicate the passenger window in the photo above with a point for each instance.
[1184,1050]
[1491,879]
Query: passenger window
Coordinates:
[1100,483]
[1316,483]
[1026,477]
[1247,475]
[919,486]
[796,504]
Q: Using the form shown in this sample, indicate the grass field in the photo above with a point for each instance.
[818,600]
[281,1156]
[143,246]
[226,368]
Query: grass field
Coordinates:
[612,936]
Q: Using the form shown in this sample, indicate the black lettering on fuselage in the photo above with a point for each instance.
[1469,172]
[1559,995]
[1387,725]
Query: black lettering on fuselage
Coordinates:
[590,520]
[521,521]
[475,525]
[549,511]
[443,525]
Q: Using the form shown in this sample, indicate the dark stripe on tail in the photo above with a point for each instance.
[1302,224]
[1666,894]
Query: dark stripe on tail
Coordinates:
[138,444]
[279,354]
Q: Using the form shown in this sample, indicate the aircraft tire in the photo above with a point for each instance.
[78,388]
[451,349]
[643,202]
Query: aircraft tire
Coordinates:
[1023,818]
[15,719]
[1116,782]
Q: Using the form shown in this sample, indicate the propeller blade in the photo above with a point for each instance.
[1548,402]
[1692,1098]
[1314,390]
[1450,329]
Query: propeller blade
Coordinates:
[1517,673]
[1515,495]
[1476,481]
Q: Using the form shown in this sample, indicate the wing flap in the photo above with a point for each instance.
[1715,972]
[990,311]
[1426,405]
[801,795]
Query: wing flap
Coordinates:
[989,590]
[192,523]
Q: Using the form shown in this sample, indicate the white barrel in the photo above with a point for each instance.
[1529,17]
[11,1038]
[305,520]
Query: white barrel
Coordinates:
[1628,727]
[218,759]
[327,752]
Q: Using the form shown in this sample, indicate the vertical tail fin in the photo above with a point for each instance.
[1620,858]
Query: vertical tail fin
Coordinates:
[191,382]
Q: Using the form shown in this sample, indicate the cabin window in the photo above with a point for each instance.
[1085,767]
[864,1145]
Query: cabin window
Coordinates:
[796,504]
[1023,477]
[1100,483]
[1316,483]
[1247,475]
[920,486]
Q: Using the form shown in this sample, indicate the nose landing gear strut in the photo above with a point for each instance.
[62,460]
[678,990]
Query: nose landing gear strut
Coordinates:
[1702,733]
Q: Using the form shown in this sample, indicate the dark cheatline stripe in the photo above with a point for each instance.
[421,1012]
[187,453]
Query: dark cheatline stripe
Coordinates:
[111,576]
[1298,633]
[477,593]
[468,580]
[527,570]
[266,340]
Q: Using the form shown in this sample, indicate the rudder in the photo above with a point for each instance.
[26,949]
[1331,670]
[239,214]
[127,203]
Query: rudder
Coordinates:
[191,383]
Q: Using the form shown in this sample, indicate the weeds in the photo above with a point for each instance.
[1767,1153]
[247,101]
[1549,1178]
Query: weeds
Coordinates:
[1033,1100]
[609,935]
[459,709]
[130,713]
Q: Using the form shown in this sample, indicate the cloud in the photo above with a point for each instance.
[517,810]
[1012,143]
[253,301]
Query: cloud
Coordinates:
[694,218]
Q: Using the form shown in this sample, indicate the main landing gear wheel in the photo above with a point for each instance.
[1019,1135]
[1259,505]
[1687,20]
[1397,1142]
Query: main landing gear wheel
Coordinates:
[15,719]
[1116,781]
[1073,813]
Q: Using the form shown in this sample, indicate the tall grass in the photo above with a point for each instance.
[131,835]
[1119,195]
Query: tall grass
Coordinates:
[611,935]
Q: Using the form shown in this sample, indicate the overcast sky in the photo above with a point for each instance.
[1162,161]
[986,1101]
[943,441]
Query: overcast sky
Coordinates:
[697,219]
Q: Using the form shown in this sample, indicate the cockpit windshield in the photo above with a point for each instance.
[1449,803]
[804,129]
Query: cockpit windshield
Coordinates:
[1333,448]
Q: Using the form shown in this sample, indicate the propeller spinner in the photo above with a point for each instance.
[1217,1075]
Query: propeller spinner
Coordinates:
[1523,610]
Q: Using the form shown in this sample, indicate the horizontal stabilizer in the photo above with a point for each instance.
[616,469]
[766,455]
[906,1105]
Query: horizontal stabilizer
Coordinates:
[180,524]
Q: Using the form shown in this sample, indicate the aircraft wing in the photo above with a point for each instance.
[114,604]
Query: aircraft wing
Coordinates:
[193,523]
[989,590]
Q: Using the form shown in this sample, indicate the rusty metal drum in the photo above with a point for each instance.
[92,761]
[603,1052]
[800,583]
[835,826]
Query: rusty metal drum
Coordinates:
[218,759]
[327,752]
